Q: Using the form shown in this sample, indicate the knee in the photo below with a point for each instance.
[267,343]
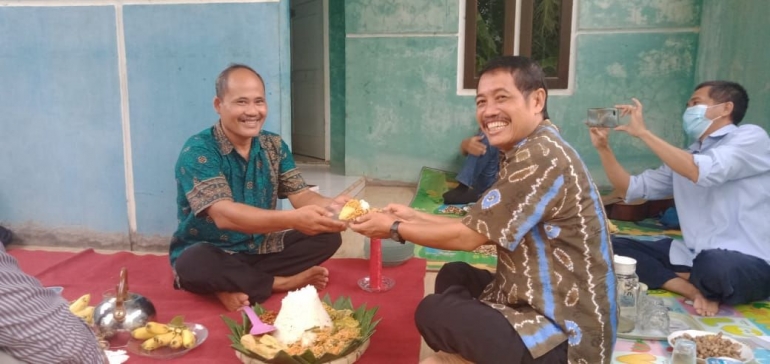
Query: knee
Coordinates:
[188,263]
[425,316]
[450,274]
[332,241]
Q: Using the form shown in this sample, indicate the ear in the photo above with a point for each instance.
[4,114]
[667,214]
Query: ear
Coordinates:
[728,109]
[537,98]
[217,104]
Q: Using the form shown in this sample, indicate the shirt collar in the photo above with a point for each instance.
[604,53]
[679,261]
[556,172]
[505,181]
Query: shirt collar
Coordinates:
[225,145]
[713,137]
[546,123]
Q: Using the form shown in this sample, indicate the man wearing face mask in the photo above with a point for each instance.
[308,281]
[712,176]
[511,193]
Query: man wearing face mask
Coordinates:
[721,187]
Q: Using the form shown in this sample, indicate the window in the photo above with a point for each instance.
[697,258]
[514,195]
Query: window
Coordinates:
[544,35]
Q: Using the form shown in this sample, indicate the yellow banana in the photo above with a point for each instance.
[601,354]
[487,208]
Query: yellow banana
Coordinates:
[141,333]
[80,303]
[150,344]
[188,339]
[164,339]
[157,328]
[176,342]
[86,314]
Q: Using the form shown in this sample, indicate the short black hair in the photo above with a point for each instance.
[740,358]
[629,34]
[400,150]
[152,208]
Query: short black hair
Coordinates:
[221,82]
[527,75]
[727,91]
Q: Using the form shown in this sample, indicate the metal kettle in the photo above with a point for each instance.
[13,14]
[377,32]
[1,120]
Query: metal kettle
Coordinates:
[122,311]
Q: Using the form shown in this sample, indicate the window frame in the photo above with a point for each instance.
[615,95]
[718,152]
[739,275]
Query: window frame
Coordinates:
[558,82]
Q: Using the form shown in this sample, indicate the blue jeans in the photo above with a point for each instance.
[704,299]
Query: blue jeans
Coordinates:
[480,172]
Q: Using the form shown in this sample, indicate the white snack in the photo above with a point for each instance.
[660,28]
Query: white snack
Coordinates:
[301,310]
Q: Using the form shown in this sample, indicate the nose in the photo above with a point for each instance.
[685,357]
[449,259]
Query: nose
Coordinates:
[490,111]
[252,109]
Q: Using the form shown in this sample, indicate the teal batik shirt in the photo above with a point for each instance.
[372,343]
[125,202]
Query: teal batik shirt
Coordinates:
[209,169]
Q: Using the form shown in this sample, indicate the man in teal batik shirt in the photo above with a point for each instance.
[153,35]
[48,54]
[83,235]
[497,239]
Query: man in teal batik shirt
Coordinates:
[231,241]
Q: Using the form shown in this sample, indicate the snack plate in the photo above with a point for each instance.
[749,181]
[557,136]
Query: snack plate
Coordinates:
[347,359]
[678,322]
[201,333]
[747,356]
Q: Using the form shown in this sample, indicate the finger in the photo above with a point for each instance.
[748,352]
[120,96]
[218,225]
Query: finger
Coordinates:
[362,219]
[621,128]
[637,103]
[476,138]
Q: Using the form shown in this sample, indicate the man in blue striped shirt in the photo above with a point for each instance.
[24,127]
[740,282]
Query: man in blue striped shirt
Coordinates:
[721,187]
[36,325]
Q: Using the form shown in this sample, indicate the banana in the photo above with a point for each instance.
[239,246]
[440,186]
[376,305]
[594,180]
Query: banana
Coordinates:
[164,339]
[157,328]
[141,333]
[86,314]
[150,344]
[188,339]
[176,342]
[81,303]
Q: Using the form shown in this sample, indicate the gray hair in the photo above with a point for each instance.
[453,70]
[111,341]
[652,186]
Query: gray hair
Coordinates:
[221,82]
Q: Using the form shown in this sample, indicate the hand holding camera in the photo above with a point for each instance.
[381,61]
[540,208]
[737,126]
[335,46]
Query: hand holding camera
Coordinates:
[609,118]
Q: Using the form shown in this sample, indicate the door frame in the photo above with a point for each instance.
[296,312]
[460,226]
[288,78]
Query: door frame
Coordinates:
[326,77]
[327,82]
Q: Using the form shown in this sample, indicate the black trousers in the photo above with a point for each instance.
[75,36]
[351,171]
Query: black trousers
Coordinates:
[206,269]
[721,275]
[453,321]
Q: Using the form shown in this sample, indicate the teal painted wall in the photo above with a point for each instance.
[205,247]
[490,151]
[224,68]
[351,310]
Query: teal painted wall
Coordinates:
[61,106]
[730,50]
[404,112]
[337,85]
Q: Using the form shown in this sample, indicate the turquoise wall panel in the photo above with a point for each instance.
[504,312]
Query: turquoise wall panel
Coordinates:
[400,16]
[175,53]
[729,50]
[402,112]
[625,14]
[61,126]
[337,85]
[655,68]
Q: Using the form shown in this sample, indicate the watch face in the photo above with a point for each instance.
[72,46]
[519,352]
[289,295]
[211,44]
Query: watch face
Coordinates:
[394,235]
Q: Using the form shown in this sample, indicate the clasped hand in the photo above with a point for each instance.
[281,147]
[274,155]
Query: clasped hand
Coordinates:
[313,220]
[377,224]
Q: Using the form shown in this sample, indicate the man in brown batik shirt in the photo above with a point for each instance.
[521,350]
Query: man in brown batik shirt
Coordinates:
[552,298]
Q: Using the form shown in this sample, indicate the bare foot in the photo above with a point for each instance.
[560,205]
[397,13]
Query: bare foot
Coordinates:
[233,300]
[705,307]
[317,276]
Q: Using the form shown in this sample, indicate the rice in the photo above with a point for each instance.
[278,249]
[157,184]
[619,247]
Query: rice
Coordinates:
[301,310]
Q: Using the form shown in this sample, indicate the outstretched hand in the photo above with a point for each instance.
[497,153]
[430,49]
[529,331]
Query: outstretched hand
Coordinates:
[401,212]
[313,220]
[374,224]
[636,126]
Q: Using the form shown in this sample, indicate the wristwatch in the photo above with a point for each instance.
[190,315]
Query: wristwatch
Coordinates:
[394,232]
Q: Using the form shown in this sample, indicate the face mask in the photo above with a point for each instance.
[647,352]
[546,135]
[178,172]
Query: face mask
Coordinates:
[695,122]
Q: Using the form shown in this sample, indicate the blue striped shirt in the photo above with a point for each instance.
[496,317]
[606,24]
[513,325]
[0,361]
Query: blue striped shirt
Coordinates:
[36,325]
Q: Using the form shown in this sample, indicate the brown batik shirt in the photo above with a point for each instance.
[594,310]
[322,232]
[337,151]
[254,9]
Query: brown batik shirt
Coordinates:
[554,279]
[209,169]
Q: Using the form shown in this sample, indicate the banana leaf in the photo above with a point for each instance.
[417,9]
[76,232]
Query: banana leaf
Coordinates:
[362,314]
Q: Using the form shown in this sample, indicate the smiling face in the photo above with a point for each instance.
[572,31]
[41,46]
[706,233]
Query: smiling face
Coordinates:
[242,108]
[503,112]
